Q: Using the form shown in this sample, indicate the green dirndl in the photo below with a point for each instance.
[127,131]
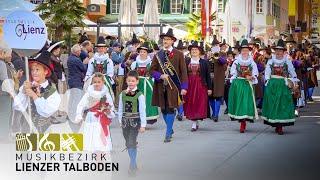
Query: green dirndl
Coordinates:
[241,105]
[109,86]
[146,87]
[278,107]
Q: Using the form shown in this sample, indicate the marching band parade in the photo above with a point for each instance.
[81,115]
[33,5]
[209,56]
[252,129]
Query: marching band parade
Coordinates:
[139,83]
[252,80]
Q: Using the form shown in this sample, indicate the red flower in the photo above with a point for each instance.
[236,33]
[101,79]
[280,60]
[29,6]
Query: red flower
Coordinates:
[171,54]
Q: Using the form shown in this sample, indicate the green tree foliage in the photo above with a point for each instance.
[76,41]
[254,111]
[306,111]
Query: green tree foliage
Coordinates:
[61,16]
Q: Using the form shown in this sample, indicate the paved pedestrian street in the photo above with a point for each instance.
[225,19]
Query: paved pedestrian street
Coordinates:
[217,151]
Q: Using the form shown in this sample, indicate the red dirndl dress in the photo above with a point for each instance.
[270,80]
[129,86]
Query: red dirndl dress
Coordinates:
[196,100]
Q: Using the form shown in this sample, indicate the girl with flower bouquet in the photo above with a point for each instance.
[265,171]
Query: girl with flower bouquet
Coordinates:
[97,106]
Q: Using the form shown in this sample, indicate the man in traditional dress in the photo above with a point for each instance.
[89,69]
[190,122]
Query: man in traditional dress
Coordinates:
[219,66]
[171,80]
[280,75]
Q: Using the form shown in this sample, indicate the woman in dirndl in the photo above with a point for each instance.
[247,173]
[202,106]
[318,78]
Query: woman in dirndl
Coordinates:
[142,66]
[244,73]
[280,75]
[199,82]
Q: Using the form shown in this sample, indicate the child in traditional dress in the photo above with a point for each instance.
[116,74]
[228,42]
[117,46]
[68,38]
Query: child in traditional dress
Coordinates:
[244,73]
[196,100]
[145,85]
[98,106]
[44,97]
[132,116]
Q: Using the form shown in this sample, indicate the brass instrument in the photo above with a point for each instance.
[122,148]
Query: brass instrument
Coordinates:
[165,81]
[216,56]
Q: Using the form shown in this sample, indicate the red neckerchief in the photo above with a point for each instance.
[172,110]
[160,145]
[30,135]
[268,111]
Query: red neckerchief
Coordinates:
[101,109]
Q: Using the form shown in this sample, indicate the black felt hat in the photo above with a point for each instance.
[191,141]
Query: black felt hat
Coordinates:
[215,41]
[54,45]
[101,42]
[223,43]
[144,46]
[180,45]
[168,34]
[230,51]
[134,39]
[280,45]
[237,45]
[44,59]
[290,39]
[195,44]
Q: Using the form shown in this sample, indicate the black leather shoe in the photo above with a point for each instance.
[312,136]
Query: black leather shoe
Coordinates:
[179,117]
[167,139]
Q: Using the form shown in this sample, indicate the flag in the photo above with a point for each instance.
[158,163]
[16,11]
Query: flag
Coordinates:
[205,17]
[292,8]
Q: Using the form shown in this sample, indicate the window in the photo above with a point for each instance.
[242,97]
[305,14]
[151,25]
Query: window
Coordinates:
[220,6]
[259,6]
[196,6]
[115,6]
[176,6]
[139,7]
[159,6]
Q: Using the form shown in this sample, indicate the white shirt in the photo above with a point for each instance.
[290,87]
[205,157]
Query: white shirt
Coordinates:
[142,109]
[195,61]
[44,107]
[249,61]
[141,63]
[85,104]
[100,58]
[169,49]
[274,60]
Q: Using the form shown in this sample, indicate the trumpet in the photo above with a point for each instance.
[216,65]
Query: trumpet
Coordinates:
[216,56]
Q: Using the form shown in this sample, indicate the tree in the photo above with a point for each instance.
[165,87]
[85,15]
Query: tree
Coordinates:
[194,26]
[61,16]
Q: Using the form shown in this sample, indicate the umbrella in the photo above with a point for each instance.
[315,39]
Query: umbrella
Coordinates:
[128,15]
[151,16]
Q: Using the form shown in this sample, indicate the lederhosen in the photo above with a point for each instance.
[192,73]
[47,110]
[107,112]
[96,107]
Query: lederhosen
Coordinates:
[131,122]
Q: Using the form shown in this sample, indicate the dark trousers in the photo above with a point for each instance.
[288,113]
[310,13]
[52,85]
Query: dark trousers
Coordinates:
[130,131]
